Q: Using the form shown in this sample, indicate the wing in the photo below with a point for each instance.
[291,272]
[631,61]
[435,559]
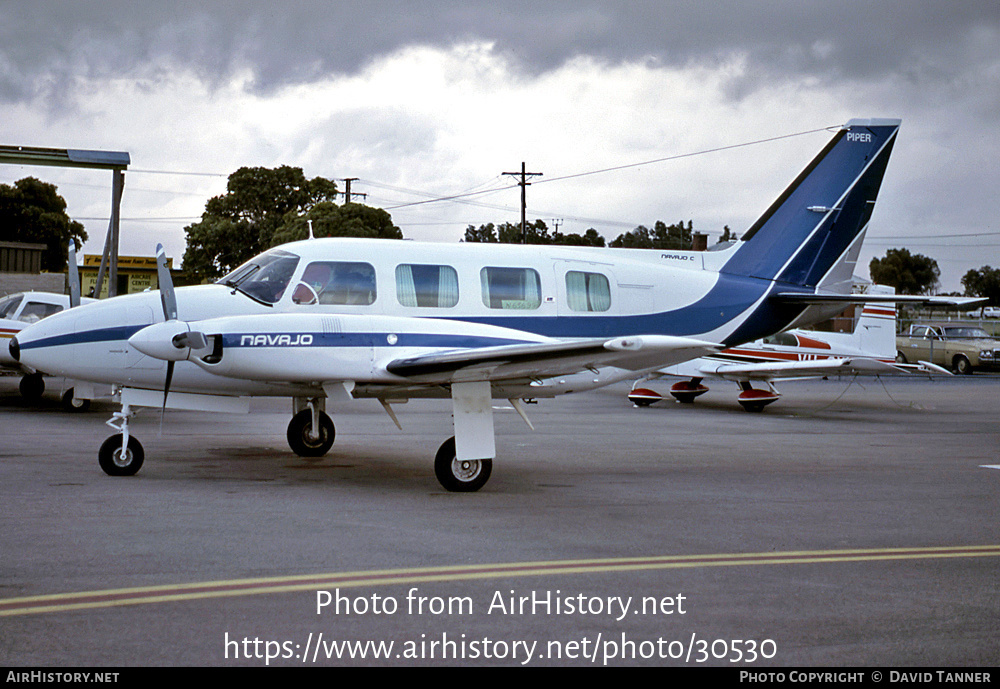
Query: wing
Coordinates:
[788,370]
[547,359]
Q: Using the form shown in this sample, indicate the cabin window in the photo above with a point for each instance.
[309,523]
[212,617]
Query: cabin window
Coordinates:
[511,288]
[426,286]
[587,291]
[336,282]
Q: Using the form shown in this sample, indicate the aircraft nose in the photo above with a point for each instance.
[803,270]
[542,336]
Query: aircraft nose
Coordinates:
[15,349]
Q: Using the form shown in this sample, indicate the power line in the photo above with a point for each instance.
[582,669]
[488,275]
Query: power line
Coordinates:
[690,155]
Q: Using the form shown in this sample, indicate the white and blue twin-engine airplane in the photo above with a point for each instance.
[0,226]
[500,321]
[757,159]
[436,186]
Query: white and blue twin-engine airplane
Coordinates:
[394,320]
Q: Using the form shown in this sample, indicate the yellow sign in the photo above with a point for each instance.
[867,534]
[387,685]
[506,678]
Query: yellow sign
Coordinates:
[132,262]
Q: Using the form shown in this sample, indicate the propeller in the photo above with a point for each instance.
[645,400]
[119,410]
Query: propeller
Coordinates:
[173,340]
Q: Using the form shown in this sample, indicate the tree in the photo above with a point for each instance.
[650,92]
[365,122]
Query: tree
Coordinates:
[31,211]
[589,238]
[727,235]
[662,236]
[535,233]
[241,223]
[331,220]
[984,282]
[908,273]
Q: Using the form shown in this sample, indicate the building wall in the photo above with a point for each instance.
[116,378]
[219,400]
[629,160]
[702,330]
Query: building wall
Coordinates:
[28,282]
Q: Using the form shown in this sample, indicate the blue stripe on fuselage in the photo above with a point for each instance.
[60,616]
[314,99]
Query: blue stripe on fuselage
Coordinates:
[369,339]
[118,333]
[731,296]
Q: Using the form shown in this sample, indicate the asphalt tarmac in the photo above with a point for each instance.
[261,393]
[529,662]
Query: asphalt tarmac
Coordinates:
[854,523]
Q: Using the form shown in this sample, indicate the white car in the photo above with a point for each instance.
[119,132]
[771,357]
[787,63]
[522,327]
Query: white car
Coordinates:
[991,312]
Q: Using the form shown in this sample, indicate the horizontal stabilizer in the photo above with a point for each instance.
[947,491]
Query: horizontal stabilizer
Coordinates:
[846,299]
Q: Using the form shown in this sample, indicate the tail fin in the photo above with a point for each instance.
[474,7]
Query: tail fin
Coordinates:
[875,331]
[816,225]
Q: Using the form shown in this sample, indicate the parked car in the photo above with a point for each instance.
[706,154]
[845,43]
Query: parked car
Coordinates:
[963,348]
[991,312]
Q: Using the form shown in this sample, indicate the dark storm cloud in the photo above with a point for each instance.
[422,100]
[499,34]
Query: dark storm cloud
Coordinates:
[44,45]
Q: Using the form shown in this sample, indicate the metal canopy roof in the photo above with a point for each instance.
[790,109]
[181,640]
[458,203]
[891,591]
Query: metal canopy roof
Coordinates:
[64,157]
[116,161]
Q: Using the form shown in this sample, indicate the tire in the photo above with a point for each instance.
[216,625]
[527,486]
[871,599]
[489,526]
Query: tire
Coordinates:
[111,459]
[962,365]
[460,477]
[900,358]
[74,405]
[31,387]
[298,434]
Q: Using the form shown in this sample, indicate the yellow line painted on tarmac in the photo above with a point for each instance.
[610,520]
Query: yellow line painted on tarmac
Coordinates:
[63,602]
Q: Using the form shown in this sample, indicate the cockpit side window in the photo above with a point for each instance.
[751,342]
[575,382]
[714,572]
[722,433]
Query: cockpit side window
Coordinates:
[782,339]
[35,311]
[337,282]
[264,277]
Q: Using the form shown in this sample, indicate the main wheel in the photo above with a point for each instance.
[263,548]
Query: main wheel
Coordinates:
[460,476]
[32,386]
[71,403]
[118,463]
[300,434]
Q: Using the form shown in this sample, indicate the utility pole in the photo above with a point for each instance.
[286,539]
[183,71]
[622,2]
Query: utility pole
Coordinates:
[347,189]
[524,183]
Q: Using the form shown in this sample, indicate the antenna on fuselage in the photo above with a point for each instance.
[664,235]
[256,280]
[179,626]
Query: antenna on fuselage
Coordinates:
[310,229]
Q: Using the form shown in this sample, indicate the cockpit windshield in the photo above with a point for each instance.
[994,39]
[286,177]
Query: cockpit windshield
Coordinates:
[264,277]
[8,305]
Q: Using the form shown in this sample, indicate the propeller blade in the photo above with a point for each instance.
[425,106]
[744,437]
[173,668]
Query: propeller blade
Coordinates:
[166,383]
[167,297]
[166,391]
[73,275]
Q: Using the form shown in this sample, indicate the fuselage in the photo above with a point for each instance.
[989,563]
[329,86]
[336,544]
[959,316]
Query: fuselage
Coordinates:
[359,304]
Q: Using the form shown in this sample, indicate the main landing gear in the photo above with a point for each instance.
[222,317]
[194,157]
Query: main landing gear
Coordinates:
[311,432]
[460,475]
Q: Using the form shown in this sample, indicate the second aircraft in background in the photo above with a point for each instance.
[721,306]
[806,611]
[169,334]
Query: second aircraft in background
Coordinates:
[795,354]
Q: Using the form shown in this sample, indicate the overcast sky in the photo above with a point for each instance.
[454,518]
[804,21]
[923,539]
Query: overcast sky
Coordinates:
[427,99]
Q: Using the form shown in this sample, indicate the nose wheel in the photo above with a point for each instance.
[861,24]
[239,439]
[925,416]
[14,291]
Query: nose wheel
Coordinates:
[119,457]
